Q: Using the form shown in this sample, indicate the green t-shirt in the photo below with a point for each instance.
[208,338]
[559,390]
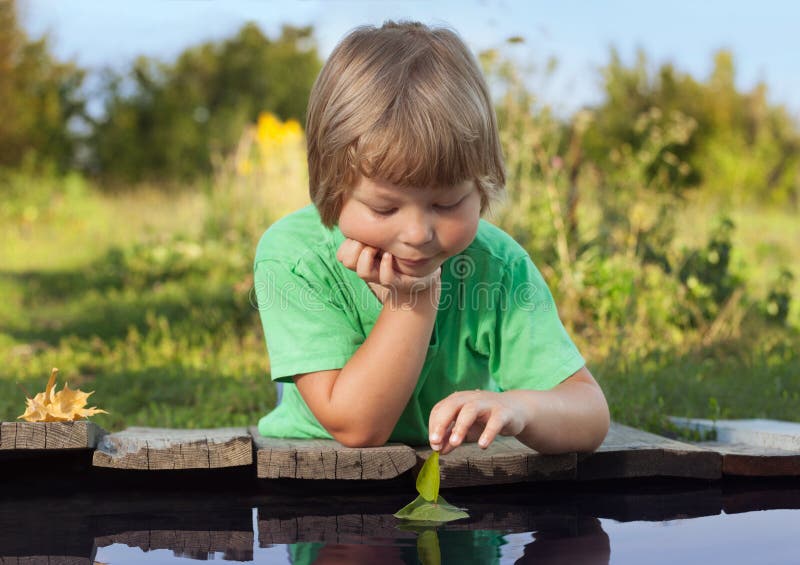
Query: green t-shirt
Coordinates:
[497,327]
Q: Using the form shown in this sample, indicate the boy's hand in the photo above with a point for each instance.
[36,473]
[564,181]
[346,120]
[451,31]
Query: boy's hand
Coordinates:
[376,267]
[473,415]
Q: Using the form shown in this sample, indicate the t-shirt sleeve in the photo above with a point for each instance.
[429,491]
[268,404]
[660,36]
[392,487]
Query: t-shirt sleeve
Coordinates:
[530,346]
[303,329]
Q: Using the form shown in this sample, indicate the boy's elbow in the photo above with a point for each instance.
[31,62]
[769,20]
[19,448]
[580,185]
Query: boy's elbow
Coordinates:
[358,438]
[602,427]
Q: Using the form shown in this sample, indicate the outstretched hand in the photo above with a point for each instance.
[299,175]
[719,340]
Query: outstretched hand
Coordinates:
[376,267]
[470,416]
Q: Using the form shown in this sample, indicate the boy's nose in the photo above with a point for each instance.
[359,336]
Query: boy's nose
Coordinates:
[418,231]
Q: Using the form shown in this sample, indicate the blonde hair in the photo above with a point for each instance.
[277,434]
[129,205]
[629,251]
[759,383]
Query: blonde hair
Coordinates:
[402,103]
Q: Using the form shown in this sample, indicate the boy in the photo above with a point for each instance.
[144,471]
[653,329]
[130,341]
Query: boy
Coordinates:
[391,310]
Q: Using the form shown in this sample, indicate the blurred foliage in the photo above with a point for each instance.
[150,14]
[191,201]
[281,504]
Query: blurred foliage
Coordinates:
[172,121]
[164,122]
[41,99]
[738,147]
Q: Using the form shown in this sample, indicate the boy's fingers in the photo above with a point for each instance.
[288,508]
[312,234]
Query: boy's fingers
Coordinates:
[365,265]
[493,427]
[466,417]
[386,270]
[350,251]
[444,447]
[442,415]
[344,249]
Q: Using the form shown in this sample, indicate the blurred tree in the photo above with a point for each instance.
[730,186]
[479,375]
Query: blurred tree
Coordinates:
[174,121]
[742,148]
[41,97]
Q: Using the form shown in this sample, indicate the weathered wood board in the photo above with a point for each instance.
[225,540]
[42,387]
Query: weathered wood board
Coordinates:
[769,434]
[744,448]
[752,447]
[163,449]
[328,459]
[80,434]
[628,452]
[506,460]
[746,460]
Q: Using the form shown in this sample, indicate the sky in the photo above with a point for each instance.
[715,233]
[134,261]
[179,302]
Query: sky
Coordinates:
[763,36]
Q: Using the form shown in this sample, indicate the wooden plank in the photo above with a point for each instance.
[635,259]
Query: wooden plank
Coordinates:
[80,434]
[771,434]
[506,460]
[742,459]
[328,459]
[236,545]
[163,449]
[628,452]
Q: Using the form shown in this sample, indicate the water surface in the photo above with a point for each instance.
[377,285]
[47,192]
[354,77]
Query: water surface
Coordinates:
[644,522]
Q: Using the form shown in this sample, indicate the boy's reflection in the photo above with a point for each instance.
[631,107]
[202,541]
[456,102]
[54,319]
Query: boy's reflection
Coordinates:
[584,543]
[344,554]
[556,539]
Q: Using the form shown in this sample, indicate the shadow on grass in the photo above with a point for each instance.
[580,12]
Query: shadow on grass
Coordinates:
[101,275]
[56,305]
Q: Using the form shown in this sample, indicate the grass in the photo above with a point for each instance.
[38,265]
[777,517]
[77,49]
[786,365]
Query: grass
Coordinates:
[128,296]
[751,377]
[118,294]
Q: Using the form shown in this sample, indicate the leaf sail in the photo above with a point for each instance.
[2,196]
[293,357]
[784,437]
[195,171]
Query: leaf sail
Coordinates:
[428,478]
[421,510]
[429,507]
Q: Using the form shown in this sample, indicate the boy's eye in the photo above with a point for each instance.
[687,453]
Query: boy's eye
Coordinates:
[447,206]
[388,212]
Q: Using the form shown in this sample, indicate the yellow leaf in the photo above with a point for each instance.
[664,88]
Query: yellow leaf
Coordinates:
[66,405]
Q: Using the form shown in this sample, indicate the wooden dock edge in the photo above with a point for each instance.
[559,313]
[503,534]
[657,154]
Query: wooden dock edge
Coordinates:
[80,434]
[626,453]
[750,447]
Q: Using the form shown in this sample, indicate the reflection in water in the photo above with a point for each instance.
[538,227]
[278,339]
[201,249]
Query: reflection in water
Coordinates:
[586,544]
[556,540]
[517,528]
[428,548]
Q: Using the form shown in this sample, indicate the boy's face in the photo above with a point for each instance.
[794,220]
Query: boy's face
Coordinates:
[412,223]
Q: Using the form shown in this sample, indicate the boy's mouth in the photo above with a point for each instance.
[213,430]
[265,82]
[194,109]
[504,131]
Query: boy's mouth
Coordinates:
[414,263]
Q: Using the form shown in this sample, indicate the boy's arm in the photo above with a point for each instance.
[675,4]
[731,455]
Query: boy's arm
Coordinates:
[572,416]
[360,404]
